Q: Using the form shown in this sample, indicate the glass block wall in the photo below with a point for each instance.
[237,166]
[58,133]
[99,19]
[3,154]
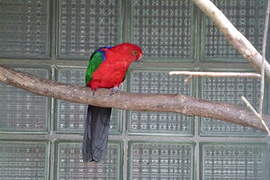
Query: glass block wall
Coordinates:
[40,137]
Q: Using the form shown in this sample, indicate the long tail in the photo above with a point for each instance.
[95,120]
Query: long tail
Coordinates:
[96,131]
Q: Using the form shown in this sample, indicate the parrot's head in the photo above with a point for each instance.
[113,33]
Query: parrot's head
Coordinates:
[131,51]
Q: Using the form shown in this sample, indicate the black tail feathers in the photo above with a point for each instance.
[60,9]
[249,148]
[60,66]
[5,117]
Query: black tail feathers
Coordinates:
[96,131]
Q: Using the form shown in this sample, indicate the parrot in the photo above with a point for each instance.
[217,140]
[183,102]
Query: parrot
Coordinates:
[107,68]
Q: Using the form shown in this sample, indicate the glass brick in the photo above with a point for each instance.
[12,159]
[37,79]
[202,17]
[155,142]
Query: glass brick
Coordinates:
[158,122]
[160,161]
[85,26]
[229,90]
[163,28]
[267,97]
[233,161]
[70,165]
[24,31]
[246,16]
[23,160]
[21,110]
[70,117]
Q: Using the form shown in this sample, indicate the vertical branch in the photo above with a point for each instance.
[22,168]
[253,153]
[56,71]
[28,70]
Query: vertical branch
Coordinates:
[263,57]
[238,40]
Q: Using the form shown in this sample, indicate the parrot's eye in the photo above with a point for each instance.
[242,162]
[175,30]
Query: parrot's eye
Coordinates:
[135,53]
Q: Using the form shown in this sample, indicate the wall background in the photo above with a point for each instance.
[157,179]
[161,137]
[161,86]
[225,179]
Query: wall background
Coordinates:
[40,137]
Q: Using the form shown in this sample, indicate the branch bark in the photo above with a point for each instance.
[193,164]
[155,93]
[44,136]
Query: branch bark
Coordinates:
[238,40]
[132,101]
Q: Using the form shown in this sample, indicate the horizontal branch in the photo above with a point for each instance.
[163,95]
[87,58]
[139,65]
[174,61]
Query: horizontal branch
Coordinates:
[216,74]
[132,101]
[238,40]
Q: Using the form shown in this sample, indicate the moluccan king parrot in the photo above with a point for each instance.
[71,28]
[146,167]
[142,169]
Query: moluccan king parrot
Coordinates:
[106,69]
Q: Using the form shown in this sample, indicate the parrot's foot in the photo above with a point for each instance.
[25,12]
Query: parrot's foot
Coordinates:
[94,91]
[114,90]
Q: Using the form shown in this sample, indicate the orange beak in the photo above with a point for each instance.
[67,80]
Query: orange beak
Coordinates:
[140,57]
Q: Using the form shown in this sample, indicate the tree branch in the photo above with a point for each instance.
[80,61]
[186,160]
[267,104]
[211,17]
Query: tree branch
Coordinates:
[132,101]
[238,40]
[263,58]
[257,114]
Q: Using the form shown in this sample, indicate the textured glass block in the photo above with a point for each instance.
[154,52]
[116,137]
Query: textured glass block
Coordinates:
[21,110]
[233,161]
[70,165]
[70,117]
[24,28]
[158,122]
[246,15]
[86,25]
[268,101]
[23,161]
[163,28]
[160,161]
[229,90]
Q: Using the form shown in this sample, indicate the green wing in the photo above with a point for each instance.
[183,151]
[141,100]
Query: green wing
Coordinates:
[94,62]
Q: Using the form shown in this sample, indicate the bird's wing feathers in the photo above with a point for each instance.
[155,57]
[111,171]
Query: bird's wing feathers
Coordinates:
[95,60]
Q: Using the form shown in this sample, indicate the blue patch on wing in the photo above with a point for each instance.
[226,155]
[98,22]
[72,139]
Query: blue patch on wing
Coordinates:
[105,47]
[102,51]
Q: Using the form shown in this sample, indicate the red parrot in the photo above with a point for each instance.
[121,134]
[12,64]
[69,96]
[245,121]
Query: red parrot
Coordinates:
[106,69]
